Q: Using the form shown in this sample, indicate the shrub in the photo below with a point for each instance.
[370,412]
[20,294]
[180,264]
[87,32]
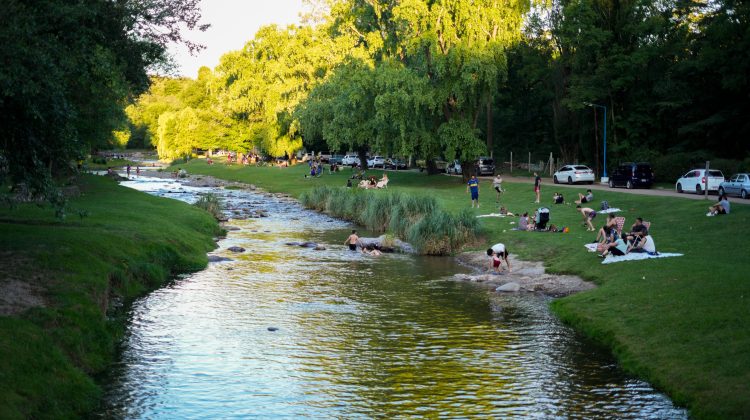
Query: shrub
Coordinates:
[417,219]
[210,203]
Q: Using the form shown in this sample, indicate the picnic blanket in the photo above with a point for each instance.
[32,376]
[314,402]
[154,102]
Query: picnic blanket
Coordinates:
[493,215]
[609,210]
[634,256]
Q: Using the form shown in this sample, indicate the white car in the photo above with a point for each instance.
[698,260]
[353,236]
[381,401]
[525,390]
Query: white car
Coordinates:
[574,173]
[350,160]
[695,181]
[376,161]
[454,167]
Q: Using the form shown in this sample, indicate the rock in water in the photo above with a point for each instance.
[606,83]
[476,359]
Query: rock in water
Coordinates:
[272,329]
[216,258]
[236,249]
[320,248]
[308,244]
[509,287]
[232,228]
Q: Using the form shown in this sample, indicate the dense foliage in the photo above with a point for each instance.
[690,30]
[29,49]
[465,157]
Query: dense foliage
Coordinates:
[456,79]
[69,67]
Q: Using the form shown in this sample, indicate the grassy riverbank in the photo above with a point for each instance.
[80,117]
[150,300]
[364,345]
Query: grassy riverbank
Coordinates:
[116,244]
[680,323]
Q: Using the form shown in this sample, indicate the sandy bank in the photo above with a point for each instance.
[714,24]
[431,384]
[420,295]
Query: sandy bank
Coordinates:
[528,276]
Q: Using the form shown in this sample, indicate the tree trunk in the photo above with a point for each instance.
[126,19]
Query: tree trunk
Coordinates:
[489,128]
[362,153]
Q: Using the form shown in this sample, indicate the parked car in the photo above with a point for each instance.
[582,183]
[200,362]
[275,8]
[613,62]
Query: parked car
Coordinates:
[376,161]
[439,164]
[454,167]
[738,184]
[336,159]
[349,160]
[485,166]
[696,180]
[632,175]
[574,173]
[394,163]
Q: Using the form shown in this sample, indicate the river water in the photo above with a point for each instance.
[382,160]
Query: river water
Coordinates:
[283,331]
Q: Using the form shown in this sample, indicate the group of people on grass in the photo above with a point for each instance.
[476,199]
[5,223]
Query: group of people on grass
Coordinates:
[610,241]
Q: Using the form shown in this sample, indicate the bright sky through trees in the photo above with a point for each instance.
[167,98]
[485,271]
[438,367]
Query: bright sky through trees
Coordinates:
[233,23]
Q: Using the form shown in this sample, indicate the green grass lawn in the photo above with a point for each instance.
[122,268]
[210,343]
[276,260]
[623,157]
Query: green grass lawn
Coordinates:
[127,243]
[681,323]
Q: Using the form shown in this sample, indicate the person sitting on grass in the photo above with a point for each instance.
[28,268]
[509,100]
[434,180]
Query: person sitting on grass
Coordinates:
[607,229]
[616,248]
[497,254]
[523,222]
[588,215]
[558,198]
[637,232]
[721,207]
[583,199]
[532,222]
[646,244]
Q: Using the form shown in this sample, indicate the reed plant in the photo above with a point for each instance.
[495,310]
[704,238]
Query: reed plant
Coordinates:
[414,218]
[210,203]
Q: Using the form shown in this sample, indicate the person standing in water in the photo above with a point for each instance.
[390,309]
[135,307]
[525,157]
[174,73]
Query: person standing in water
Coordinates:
[473,187]
[352,240]
[128,171]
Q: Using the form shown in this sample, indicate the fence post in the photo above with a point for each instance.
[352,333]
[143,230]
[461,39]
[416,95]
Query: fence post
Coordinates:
[551,163]
[511,163]
[705,186]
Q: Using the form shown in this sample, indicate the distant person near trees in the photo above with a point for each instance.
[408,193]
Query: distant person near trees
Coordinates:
[473,187]
[537,186]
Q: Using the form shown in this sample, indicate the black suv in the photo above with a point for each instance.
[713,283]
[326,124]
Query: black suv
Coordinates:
[632,175]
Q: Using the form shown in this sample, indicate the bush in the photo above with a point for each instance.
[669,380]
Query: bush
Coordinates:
[417,219]
[210,203]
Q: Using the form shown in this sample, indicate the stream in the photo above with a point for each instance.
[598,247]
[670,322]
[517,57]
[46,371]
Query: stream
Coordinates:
[285,331]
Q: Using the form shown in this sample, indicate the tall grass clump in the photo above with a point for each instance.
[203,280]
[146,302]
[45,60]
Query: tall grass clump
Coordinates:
[416,219]
[210,203]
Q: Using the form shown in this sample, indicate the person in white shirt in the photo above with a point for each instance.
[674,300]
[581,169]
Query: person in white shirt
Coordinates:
[497,254]
[644,245]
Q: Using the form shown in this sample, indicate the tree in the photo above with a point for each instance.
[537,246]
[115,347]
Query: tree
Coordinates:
[68,71]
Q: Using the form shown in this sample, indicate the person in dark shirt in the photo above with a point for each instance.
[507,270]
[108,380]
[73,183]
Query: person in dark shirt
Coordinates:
[473,187]
[637,232]
[537,186]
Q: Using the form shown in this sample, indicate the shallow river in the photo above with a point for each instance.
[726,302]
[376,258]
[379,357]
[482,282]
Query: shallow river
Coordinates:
[356,336]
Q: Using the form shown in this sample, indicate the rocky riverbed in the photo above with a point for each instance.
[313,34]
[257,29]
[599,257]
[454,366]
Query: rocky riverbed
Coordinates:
[525,276]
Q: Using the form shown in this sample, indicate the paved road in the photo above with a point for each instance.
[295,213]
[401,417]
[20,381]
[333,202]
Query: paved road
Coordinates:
[548,188]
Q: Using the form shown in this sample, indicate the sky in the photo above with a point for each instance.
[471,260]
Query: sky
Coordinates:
[233,23]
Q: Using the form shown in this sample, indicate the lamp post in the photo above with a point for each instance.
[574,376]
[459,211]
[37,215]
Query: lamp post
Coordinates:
[605,178]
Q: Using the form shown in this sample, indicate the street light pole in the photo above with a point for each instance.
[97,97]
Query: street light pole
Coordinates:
[604,176]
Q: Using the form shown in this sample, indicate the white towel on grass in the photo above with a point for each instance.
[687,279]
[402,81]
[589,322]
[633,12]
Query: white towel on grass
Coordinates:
[609,210]
[492,215]
[591,247]
[634,256]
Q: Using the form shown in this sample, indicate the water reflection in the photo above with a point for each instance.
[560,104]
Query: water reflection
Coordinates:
[357,337]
